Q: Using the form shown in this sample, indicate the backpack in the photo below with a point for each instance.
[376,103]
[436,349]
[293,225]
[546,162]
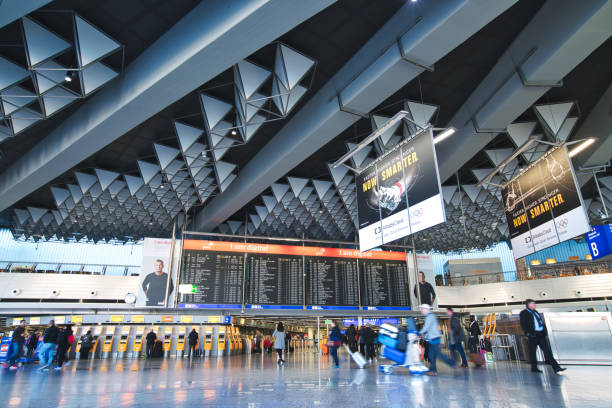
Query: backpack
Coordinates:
[85,341]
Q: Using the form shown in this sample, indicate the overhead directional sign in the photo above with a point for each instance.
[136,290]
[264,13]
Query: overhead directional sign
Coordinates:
[543,205]
[399,194]
[600,241]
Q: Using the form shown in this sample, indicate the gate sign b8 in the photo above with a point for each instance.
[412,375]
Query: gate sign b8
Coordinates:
[600,241]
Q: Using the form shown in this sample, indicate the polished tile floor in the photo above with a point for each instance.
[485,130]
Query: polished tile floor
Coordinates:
[304,381]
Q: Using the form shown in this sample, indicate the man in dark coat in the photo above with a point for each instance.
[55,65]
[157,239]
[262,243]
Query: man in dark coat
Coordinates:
[456,337]
[151,337]
[537,335]
[193,342]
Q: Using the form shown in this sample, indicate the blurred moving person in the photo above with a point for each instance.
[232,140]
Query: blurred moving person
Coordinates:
[16,346]
[65,339]
[456,337]
[86,344]
[193,342]
[32,343]
[432,334]
[49,345]
[334,342]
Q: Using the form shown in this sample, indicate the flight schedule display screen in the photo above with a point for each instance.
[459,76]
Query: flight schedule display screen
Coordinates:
[290,277]
[274,280]
[384,283]
[331,282]
[217,277]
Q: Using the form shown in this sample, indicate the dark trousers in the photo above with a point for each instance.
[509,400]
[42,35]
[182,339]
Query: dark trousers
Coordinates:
[362,349]
[473,344]
[542,341]
[149,349]
[62,351]
[280,354]
[192,349]
[434,353]
[84,353]
[333,350]
[458,348]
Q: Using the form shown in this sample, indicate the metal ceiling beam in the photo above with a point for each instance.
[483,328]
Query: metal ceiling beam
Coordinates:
[214,36]
[597,124]
[555,41]
[413,40]
[11,10]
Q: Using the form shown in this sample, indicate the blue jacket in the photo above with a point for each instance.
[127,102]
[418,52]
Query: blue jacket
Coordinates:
[334,334]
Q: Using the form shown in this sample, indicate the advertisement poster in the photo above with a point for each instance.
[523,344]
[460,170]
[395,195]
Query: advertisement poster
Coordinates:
[543,205]
[155,274]
[399,194]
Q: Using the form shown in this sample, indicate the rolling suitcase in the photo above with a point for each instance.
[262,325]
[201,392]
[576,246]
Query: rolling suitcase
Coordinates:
[477,359]
[158,350]
[357,357]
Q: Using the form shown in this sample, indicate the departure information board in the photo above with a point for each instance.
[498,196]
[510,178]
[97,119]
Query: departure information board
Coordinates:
[216,275]
[331,282]
[274,280]
[384,283]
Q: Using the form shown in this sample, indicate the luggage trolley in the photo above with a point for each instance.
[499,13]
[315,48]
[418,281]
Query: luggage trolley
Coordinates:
[390,337]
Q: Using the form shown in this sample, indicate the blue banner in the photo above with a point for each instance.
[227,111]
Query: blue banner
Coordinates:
[600,241]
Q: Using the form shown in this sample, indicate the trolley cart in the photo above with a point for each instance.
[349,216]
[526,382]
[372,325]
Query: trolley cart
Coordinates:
[411,358]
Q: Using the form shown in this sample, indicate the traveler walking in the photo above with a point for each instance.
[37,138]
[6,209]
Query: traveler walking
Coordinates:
[65,339]
[361,341]
[456,337]
[287,341]
[193,342]
[31,343]
[428,295]
[279,342]
[151,338]
[258,344]
[431,333]
[267,345]
[333,342]
[16,346]
[474,331]
[537,335]
[86,343]
[49,345]
[351,334]
[366,341]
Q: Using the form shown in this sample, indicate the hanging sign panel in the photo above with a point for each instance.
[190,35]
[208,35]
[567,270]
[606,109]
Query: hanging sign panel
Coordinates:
[400,193]
[543,205]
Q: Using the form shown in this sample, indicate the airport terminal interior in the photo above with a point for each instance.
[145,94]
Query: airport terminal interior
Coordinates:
[348,203]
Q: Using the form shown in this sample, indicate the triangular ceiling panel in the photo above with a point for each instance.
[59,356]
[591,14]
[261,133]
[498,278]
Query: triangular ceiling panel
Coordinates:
[133,183]
[322,187]
[23,119]
[48,75]
[41,44]
[214,110]
[165,154]
[250,77]
[421,113]
[37,213]
[294,64]
[147,170]
[56,99]
[223,170]
[60,195]
[553,115]
[96,75]
[14,98]
[520,132]
[105,177]
[187,135]
[92,44]
[11,73]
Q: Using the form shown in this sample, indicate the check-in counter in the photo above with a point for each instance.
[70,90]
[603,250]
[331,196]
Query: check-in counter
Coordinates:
[107,343]
[77,331]
[167,339]
[180,341]
[208,341]
[96,333]
[124,338]
[139,334]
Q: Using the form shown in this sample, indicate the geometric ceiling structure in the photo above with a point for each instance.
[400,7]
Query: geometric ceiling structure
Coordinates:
[237,125]
[58,72]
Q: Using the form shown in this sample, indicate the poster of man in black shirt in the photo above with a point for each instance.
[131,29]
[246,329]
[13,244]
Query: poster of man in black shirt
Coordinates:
[154,285]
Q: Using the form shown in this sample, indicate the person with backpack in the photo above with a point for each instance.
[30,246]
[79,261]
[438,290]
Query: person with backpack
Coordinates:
[49,345]
[86,343]
[64,341]
[456,337]
[193,342]
[151,338]
[279,342]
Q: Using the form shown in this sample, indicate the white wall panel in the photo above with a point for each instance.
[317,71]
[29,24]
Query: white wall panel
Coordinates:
[37,286]
[591,286]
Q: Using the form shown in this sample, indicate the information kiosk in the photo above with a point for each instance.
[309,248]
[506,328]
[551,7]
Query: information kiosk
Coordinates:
[107,345]
[84,329]
[208,340]
[123,342]
[180,341]
[221,341]
[167,345]
[138,338]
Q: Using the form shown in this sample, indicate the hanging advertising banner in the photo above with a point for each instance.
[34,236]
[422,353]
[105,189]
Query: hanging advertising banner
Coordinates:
[543,205]
[154,274]
[399,194]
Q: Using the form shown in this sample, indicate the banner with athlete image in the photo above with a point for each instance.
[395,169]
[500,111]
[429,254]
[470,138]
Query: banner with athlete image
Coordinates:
[399,194]
[543,205]
[155,275]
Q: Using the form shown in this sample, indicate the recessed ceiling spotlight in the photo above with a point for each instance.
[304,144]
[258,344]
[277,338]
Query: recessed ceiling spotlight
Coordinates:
[68,78]
[234,132]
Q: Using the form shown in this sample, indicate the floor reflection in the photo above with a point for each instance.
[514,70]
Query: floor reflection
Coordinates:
[306,380]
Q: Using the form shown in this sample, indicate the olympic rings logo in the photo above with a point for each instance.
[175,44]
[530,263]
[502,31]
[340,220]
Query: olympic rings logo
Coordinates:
[562,223]
[416,213]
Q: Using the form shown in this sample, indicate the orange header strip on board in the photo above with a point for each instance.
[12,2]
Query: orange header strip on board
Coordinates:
[252,248]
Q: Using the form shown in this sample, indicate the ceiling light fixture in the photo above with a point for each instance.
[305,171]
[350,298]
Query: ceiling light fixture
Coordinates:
[234,132]
[444,135]
[68,78]
[582,146]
